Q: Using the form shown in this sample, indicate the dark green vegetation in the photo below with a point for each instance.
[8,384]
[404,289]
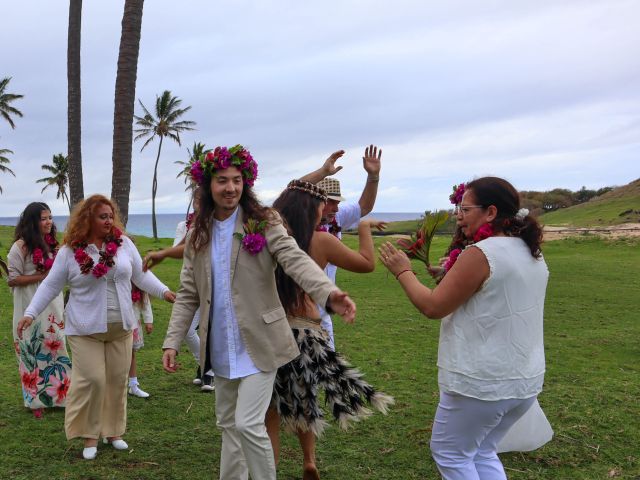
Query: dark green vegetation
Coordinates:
[621,205]
[590,397]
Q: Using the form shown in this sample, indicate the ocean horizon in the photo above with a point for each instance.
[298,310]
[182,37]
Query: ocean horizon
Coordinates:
[140,223]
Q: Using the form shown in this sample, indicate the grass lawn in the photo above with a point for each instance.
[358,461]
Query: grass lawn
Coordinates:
[591,394]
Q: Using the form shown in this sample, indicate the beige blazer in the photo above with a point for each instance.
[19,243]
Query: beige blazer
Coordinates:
[261,319]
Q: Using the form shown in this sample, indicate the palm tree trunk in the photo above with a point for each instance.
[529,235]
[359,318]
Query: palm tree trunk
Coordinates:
[154,190]
[124,102]
[74,131]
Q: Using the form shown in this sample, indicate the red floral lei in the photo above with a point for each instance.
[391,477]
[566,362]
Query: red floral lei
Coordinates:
[111,244]
[485,231]
[136,294]
[332,227]
[37,256]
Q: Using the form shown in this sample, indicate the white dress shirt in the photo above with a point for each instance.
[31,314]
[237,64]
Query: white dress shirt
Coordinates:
[228,354]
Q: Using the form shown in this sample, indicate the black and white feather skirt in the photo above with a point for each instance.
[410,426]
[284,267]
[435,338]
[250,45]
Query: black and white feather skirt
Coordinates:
[347,396]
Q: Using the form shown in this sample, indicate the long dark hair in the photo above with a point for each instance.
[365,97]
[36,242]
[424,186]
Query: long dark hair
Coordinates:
[299,212]
[500,193]
[28,228]
[251,208]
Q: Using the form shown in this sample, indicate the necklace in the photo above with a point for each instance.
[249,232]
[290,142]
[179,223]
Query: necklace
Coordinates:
[112,242]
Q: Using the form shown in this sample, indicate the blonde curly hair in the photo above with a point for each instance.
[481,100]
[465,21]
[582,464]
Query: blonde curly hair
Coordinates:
[79,227]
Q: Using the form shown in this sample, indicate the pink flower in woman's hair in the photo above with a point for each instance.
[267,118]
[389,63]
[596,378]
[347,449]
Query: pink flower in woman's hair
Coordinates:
[254,243]
[58,388]
[37,255]
[100,270]
[111,248]
[485,231]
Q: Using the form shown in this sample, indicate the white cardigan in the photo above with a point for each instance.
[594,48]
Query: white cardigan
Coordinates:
[86,311]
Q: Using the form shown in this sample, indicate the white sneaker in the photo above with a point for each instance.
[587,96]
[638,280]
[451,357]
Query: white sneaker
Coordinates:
[90,453]
[118,444]
[137,391]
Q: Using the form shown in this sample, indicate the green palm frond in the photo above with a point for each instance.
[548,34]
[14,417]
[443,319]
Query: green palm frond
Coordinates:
[6,110]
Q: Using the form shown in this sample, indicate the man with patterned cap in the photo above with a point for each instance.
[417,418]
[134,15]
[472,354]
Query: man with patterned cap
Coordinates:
[338,213]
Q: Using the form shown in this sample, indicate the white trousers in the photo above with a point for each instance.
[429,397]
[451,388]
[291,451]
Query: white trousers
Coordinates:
[192,339]
[466,432]
[241,406]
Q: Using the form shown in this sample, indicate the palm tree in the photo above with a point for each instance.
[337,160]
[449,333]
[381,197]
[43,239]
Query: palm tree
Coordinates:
[7,110]
[164,124]
[4,160]
[74,132]
[125,97]
[196,151]
[59,170]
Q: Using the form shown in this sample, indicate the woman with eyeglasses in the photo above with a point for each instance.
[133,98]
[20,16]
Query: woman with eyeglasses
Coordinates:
[491,301]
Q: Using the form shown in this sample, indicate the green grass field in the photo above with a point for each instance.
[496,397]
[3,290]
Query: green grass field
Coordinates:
[591,394]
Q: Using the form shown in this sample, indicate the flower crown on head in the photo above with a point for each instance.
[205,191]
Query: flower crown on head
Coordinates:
[206,165]
[458,191]
[308,187]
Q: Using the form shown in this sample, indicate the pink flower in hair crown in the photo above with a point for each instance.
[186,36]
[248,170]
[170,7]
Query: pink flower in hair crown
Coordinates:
[205,166]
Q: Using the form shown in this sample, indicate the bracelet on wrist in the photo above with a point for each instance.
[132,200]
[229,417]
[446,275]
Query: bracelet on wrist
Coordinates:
[404,271]
[373,178]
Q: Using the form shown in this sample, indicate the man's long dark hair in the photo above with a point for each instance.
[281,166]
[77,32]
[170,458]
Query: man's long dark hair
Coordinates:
[299,212]
[28,228]
[251,208]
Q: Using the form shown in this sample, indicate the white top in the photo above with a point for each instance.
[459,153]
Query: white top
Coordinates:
[86,311]
[181,232]
[143,310]
[491,347]
[229,356]
[347,216]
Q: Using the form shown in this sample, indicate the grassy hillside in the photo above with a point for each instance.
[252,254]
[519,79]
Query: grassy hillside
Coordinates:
[621,205]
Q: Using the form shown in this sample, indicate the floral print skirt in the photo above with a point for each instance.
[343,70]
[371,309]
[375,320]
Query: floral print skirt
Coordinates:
[43,361]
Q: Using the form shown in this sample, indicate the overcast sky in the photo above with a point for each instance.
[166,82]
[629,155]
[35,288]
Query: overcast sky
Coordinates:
[543,93]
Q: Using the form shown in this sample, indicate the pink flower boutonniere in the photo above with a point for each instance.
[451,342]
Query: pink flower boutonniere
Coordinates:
[253,240]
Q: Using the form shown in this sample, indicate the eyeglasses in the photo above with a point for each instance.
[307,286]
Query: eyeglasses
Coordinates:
[465,209]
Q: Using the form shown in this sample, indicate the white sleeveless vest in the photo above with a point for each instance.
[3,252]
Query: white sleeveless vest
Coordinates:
[491,347]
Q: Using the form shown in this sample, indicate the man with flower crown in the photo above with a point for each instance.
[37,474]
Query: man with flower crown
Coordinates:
[228,272]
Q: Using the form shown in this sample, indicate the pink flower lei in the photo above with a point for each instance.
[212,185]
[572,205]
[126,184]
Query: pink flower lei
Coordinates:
[207,164]
[111,244]
[485,231]
[37,256]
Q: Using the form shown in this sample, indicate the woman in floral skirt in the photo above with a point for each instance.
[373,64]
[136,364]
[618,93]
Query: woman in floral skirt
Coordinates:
[43,362]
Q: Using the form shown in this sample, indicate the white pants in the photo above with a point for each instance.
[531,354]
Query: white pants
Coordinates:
[466,432]
[192,339]
[241,406]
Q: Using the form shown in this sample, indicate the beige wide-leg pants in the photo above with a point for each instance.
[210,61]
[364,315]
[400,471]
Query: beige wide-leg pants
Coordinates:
[241,405]
[97,399]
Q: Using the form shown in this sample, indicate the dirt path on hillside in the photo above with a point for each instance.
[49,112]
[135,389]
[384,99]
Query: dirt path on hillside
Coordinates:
[615,231]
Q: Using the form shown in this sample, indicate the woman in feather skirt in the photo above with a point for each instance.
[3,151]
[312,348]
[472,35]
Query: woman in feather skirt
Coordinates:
[295,402]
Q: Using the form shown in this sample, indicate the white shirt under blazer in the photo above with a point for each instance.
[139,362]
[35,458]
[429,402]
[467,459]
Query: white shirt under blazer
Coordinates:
[492,347]
[86,311]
